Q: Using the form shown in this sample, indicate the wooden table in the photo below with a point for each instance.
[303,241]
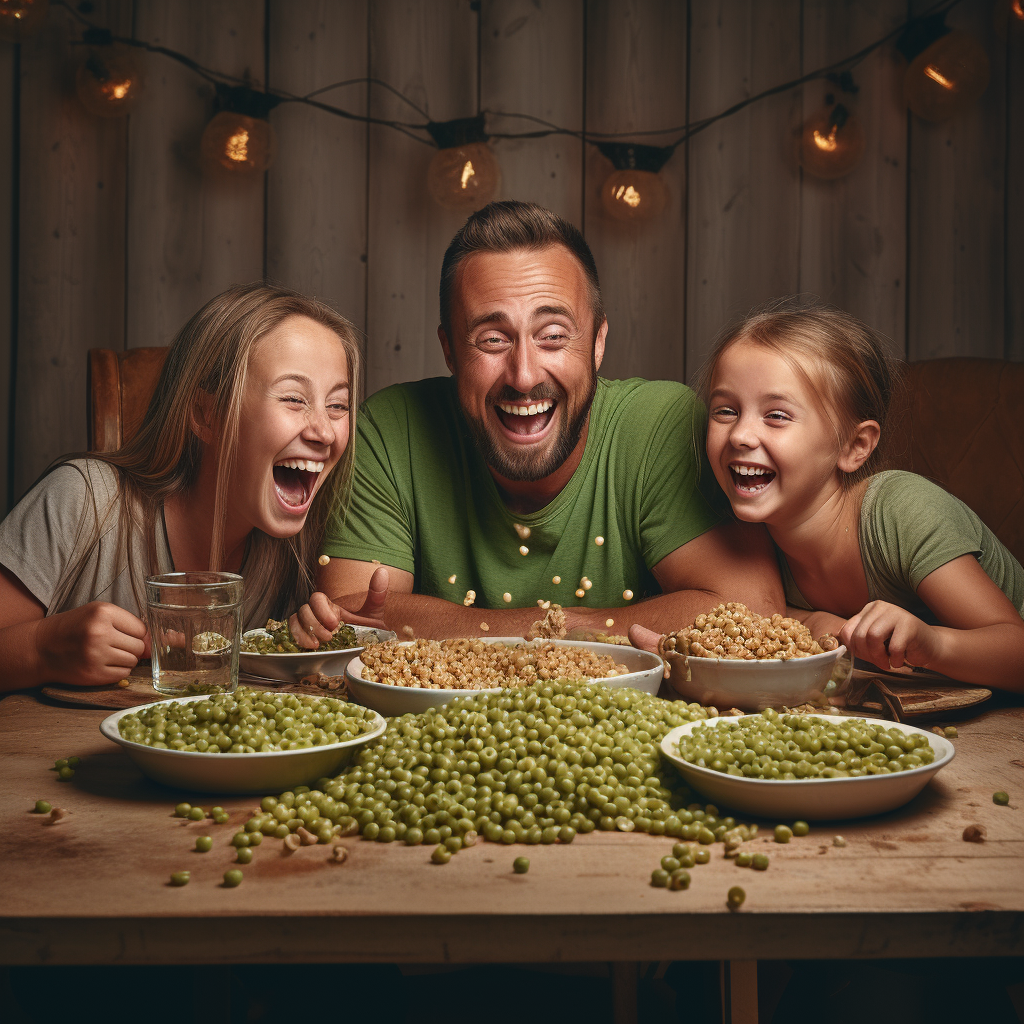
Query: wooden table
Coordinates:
[93,888]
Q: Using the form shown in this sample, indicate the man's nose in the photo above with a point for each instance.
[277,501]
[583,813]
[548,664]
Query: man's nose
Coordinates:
[524,371]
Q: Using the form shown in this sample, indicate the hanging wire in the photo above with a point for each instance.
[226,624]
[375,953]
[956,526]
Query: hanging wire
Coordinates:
[684,132]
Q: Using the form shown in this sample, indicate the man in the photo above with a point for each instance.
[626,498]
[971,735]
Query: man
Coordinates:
[524,477]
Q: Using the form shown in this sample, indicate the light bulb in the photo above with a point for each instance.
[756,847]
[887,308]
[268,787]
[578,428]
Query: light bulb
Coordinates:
[20,19]
[464,177]
[831,143]
[634,196]
[237,144]
[109,82]
[947,77]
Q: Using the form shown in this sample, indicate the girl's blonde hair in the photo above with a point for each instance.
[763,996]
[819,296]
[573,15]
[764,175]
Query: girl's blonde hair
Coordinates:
[209,360]
[843,360]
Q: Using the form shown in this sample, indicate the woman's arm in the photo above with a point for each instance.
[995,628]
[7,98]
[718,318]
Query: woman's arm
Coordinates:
[94,645]
[980,639]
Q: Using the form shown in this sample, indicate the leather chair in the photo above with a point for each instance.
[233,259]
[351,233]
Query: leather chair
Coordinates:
[120,385]
[961,424]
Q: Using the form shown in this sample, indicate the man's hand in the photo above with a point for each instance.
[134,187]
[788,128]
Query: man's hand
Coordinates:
[316,621]
[95,645]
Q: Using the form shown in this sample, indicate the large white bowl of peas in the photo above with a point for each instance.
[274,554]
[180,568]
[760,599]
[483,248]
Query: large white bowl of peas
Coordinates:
[412,676]
[264,740]
[820,767]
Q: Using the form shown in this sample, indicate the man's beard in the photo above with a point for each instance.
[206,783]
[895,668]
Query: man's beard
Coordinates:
[527,465]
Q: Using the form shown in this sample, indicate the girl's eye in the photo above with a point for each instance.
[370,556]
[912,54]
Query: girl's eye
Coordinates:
[722,412]
[777,416]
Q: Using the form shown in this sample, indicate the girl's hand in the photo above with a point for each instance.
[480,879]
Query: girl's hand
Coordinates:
[97,644]
[889,636]
[316,621]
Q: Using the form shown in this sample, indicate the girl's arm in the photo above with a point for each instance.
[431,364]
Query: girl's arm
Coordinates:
[981,639]
[95,645]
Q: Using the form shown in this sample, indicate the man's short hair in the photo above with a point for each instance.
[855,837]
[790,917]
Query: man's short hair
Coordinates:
[511,226]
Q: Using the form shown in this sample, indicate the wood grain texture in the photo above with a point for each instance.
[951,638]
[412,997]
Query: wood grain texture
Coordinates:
[853,231]
[910,886]
[8,173]
[636,80]
[316,202]
[189,236]
[744,187]
[956,229]
[1014,184]
[531,54]
[71,256]
[432,60]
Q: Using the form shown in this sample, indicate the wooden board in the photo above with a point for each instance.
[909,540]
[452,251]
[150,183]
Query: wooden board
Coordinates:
[743,237]
[189,237]
[531,60]
[905,881]
[71,268]
[956,216]
[316,198]
[432,61]
[853,231]
[636,80]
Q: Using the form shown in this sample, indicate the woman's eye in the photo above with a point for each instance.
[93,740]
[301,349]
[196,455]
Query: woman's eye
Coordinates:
[293,400]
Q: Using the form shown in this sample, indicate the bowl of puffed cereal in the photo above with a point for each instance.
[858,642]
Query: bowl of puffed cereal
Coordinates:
[398,678]
[732,657]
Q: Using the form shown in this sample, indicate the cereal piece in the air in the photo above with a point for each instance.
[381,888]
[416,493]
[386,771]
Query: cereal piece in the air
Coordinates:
[409,631]
[451,579]
[523,549]
[469,598]
[556,580]
[324,559]
[609,622]
[599,541]
[523,531]
[484,627]
[627,595]
[506,597]
[585,583]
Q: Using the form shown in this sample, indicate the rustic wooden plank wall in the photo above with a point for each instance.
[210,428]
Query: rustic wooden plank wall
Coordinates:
[121,238]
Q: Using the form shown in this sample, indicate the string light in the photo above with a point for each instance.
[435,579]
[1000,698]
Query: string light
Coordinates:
[948,71]
[239,140]
[634,193]
[464,173]
[109,81]
[20,19]
[831,143]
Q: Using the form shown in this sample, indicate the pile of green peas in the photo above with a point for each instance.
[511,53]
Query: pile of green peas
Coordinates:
[281,641]
[532,765]
[248,721]
[775,746]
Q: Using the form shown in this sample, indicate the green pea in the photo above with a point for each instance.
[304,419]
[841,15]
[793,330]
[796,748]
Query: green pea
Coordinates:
[659,878]
[66,773]
[232,878]
[240,839]
[950,732]
[196,814]
[42,807]
[744,859]
[801,828]
[735,897]
[441,855]
[243,855]
[413,837]
[255,838]
[521,865]
[1001,798]
[181,811]
[702,856]
[759,862]
[204,844]
[679,879]
[180,878]
[566,834]
[705,837]
[221,818]
[74,762]
[783,833]
[60,763]
[670,864]
[371,831]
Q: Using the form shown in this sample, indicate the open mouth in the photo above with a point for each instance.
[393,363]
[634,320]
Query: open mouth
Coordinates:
[751,479]
[295,480]
[525,418]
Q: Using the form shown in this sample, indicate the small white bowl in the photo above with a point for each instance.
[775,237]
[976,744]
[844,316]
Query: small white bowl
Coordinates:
[391,700]
[292,667]
[273,771]
[811,799]
[754,685]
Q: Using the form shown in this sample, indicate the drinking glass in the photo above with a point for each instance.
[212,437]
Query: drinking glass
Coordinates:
[195,622]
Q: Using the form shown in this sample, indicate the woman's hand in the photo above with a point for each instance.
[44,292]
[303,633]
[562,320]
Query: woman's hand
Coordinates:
[97,644]
[889,636]
[316,621]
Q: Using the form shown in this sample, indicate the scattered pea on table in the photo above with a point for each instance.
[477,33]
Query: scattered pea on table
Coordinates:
[783,833]
[1000,797]
[232,878]
[521,865]
[41,807]
[801,828]
[204,844]
[196,814]
[244,855]
[735,897]
[179,878]
[181,811]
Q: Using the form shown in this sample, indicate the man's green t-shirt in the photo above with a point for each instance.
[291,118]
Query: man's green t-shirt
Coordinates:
[424,500]
[910,527]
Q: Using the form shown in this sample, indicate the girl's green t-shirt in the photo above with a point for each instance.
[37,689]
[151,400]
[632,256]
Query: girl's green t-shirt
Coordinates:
[910,527]
[424,501]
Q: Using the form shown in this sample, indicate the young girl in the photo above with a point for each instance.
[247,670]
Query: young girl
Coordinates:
[242,454]
[797,399]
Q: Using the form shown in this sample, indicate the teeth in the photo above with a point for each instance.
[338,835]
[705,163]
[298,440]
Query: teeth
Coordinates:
[306,465]
[526,410]
[750,470]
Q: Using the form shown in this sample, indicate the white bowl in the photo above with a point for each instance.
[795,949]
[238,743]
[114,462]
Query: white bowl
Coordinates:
[391,700]
[811,799]
[754,685]
[273,771]
[290,668]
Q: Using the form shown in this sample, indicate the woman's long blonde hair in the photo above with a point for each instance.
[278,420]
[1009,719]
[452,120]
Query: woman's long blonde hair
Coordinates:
[210,358]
